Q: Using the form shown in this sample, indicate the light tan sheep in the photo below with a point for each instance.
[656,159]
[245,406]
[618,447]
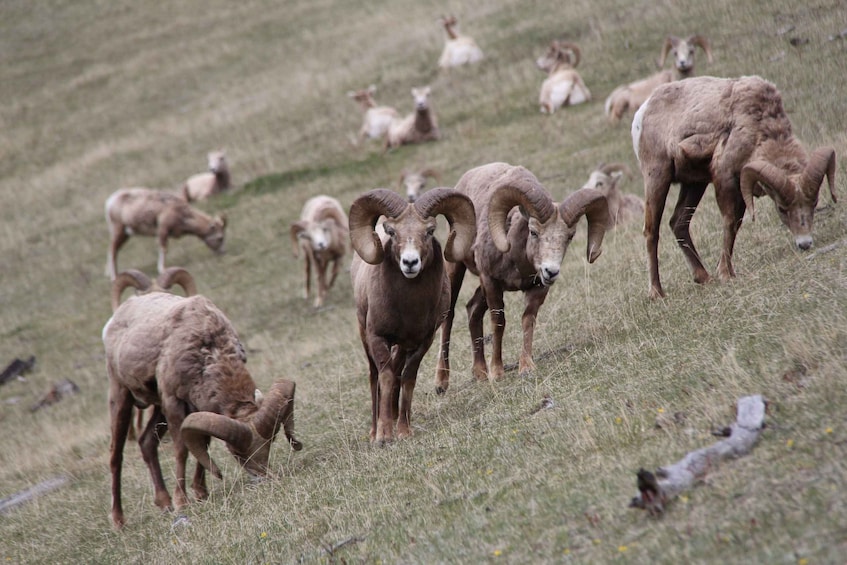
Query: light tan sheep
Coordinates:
[143,211]
[376,119]
[418,127]
[735,134]
[214,181]
[629,97]
[413,181]
[320,233]
[564,85]
[623,208]
[458,49]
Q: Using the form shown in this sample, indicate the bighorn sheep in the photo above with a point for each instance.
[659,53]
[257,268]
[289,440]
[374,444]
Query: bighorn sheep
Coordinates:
[521,239]
[623,208]
[417,127]
[735,134]
[182,356]
[143,211]
[213,181]
[376,119]
[563,85]
[321,233]
[458,49]
[631,96]
[402,293]
[413,181]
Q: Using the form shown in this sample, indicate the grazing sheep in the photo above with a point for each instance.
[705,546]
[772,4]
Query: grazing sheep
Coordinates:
[376,118]
[458,49]
[631,96]
[563,85]
[414,181]
[320,233]
[214,181]
[735,134]
[623,208]
[402,293]
[142,211]
[522,237]
[417,127]
[182,356]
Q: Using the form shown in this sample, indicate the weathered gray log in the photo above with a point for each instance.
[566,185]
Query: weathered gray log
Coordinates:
[16,368]
[15,500]
[656,490]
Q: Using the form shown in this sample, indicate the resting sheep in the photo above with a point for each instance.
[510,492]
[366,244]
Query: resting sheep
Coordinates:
[143,211]
[521,240]
[623,208]
[376,119]
[458,49]
[182,356]
[401,290]
[735,134]
[417,127]
[320,233]
[413,182]
[214,181]
[631,96]
[563,85]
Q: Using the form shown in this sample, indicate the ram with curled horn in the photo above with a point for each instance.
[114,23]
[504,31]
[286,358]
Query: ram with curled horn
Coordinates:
[401,290]
[736,135]
[522,237]
[182,356]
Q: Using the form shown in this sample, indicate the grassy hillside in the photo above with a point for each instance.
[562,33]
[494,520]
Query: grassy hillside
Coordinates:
[99,95]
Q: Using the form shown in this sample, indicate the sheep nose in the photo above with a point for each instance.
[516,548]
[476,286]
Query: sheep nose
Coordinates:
[410,264]
[804,242]
[550,273]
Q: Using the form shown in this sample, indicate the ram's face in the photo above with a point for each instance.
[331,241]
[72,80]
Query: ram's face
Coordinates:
[546,246]
[547,61]
[320,235]
[410,239]
[683,57]
[601,181]
[255,459]
[214,239]
[799,217]
[421,96]
[216,161]
[414,186]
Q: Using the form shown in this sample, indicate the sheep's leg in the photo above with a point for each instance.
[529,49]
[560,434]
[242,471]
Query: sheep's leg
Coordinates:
[119,237]
[656,187]
[534,298]
[476,312]
[380,351]
[494,298]
[732,208]
[690,195]
[148,441]
[320,269]
[455,273]
[398,360]
[163,250]
[308,263]
[198,485]
[335,266]
[175,412]
[409,377]
[120,410]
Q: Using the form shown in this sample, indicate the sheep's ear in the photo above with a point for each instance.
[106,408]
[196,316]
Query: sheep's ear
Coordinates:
[298,230]
[258,397]
[593,205]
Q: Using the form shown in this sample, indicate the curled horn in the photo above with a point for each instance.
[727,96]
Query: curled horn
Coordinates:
[573,48]
[331,212]
[821,162]
[518,187]
[671,41]
[614,168]
[297,228]
[364,213]
[703,44]
[130,277]
[591,203]
[277,410]
[177,275]
[432,173]
[459,211]
[198,427]
[773,179]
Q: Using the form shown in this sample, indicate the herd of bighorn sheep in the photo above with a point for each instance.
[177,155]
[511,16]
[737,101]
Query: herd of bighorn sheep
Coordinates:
[182,357]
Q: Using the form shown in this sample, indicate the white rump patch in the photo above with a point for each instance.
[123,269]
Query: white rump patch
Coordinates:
[636,127]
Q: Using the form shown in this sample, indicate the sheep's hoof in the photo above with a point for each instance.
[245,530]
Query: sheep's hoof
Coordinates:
[440,390]
[656,293]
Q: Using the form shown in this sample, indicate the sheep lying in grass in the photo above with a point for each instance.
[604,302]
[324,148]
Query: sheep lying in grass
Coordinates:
[320,233]
[143,211]
[417,127]
[563,85]
[413,181]
[631,96]
[214,181]
[521,240]
[735,134]
[376,119]
[402,293]
[182,356]
[458,49]
[623,208]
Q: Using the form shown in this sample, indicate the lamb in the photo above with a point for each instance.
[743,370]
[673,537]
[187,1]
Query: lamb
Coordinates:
[214,181]
[320,233]
[735,134]
[401,291]
[417,127]
[564,85]
[522,237]
[143,211]
[182,356]
[631,96]
[376,118]
[623,208]
[458,49]
[413,181]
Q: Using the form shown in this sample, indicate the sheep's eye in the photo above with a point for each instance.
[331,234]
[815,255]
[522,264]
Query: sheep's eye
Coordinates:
[598,185]
[534,233]
[389,230]
[430,232]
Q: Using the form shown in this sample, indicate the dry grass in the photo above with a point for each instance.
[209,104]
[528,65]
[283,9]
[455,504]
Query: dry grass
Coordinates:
[98,95]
